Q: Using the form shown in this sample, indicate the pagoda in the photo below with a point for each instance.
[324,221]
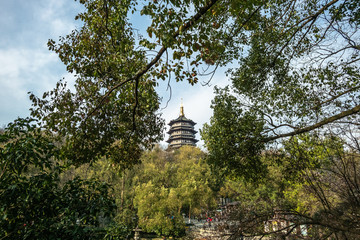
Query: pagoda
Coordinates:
[181,131]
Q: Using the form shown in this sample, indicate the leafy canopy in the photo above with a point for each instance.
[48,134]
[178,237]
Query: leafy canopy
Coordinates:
[300,73]
[34,203]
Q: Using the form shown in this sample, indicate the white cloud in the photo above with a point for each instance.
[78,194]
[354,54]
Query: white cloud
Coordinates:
[20,66]
[57,16]
[23,70]
[26,63]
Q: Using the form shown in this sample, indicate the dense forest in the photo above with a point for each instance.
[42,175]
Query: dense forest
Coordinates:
[283,141]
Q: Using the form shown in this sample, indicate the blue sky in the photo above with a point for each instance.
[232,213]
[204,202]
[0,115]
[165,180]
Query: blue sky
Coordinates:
[26,64]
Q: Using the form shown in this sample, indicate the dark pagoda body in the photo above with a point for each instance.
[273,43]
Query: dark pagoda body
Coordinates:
[181,131]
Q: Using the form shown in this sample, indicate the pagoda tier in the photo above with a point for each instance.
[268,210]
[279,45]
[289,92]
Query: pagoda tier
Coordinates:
[185,137]
[184,129]
[182,118]
[181,131]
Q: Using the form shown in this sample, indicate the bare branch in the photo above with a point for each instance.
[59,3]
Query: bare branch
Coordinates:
[305,21]
[316,125]
[335,97]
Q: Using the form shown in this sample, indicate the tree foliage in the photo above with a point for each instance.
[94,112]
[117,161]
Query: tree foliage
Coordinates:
[329,173]
[295,70]
[156,194]
[234,138]
[34,204]
[109,113]
[299,74]
[170,185]
[311,184]
[113,107]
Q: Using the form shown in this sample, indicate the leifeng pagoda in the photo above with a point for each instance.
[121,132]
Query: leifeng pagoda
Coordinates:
[181,131]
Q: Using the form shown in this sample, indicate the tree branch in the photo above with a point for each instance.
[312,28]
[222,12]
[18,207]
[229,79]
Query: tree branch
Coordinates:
[145,69]
[305,21]
[317,125]
[335,97]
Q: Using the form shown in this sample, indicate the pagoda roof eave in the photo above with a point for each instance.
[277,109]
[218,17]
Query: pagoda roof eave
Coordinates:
[174,139]
[190,130]
[178,145]
[181,119]
[171,138]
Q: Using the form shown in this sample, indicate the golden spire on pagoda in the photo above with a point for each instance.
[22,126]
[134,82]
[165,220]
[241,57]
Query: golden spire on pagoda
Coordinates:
[182,109]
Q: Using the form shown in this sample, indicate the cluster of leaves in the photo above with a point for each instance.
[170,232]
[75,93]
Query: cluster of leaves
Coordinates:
[291,77]
[312,182]
[34,204]
[300,73]
[113,108]
[233,138]
[197,32]
[156,194]
[169,185]
[327,171]
[111,112]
